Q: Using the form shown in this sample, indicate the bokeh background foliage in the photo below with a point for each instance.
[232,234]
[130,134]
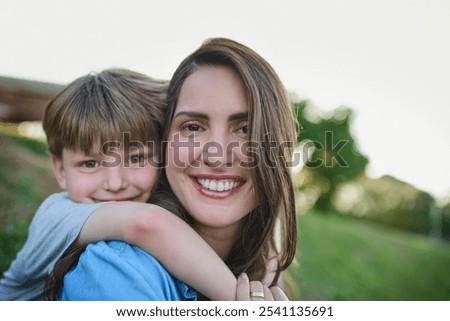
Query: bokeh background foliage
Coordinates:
[360,238]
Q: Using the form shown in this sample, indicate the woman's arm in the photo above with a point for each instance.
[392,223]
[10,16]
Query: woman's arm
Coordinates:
[169,239]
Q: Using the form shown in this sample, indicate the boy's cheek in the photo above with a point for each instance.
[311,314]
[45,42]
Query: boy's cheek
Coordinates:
[147,178]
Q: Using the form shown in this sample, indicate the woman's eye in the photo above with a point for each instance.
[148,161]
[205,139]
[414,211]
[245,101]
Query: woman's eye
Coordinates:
[192,127]
[243,130]
[89,164]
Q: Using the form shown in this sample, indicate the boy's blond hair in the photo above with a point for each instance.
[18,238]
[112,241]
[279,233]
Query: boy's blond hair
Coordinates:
[104,106]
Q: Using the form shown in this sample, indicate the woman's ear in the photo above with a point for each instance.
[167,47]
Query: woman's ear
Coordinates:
[58,171]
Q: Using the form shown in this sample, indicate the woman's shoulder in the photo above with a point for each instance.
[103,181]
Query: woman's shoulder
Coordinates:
[122,254]
[137,275]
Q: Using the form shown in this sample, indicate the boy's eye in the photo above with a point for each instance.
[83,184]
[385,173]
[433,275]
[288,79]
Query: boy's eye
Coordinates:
[89,164]
[137,159]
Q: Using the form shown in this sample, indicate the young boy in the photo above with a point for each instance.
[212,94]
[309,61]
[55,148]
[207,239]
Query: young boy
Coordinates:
[103,136]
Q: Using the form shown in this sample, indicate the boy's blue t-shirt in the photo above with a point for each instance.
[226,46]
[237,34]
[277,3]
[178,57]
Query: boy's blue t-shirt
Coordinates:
[119,271]
[54,227]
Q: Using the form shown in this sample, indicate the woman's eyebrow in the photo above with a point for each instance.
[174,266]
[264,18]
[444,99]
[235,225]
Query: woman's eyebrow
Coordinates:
[238,116]
[192,114]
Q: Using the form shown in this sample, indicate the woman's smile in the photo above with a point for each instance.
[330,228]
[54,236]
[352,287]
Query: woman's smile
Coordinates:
[218,187]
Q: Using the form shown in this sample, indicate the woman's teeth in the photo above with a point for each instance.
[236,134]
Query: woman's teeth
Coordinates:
[218,185]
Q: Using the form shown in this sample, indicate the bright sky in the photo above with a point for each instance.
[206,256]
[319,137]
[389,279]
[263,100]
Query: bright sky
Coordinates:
[388,60]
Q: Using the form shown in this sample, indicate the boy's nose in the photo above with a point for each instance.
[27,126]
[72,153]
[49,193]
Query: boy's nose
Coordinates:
[115,179]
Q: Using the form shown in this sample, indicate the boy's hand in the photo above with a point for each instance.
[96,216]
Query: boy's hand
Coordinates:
[256,291]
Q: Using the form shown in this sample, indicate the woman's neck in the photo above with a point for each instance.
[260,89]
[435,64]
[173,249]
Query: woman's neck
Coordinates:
[221,239]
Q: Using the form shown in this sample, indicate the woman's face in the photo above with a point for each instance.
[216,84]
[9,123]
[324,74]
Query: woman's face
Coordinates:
[206,141]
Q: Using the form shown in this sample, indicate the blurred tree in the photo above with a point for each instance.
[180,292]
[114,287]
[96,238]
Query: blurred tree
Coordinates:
[333,178]
[390,201]
[446,222]
[335,158]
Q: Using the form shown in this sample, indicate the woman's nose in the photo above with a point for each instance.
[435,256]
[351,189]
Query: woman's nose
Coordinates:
[218,151]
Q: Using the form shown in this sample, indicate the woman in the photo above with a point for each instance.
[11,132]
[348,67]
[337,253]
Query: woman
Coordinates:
[230,134]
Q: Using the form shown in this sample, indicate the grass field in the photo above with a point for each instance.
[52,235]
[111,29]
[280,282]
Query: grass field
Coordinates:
[338,258]
[343,258]
[25,181]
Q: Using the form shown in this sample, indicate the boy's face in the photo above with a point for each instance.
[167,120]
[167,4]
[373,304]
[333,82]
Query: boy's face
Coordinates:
[121,175]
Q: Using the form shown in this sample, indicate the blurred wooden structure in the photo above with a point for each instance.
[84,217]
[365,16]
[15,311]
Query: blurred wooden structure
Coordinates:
[24,100]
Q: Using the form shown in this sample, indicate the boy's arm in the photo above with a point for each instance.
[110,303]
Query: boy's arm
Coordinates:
[169,239]
[56,224]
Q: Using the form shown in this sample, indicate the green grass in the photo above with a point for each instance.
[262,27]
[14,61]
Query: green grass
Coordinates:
[341,258]
[25,181]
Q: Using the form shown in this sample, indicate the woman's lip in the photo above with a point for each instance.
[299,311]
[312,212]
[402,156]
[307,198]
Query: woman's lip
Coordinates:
[218,177]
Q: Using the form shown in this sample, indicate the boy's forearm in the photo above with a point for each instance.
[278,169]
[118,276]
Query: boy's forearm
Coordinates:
[168,238]
[184,253]
[110,222]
